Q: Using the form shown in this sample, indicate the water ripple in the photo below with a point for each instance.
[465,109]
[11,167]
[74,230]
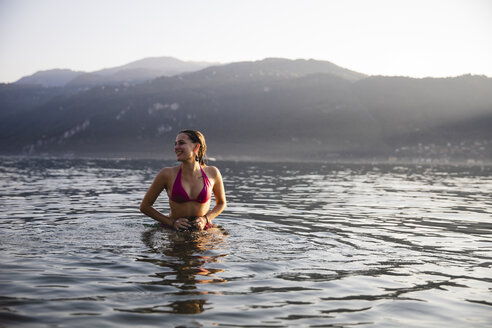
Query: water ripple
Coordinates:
[299,245]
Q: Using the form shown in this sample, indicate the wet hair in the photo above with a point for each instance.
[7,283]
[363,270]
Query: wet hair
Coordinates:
[197,137]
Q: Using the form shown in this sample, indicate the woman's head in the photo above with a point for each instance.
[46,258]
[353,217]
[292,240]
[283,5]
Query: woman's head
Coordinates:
[197,137]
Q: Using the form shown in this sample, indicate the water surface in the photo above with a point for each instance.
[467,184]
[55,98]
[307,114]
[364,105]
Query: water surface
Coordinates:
[300,245]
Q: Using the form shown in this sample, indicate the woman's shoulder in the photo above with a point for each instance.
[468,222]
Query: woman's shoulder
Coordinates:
[211,171]
[167,172]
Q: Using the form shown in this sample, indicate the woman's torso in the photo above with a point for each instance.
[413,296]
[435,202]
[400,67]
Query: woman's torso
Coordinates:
[188,200]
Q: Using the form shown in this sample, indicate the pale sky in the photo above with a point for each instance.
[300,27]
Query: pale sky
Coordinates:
[417,38]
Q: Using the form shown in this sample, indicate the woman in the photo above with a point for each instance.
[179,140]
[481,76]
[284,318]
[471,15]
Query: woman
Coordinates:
[189,187]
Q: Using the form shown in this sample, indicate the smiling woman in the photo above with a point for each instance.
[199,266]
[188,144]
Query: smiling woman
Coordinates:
[189,187]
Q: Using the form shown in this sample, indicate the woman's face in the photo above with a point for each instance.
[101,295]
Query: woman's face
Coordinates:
[184,147]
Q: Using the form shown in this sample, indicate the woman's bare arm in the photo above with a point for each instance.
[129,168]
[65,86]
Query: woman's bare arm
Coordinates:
[219,193]
[159,184]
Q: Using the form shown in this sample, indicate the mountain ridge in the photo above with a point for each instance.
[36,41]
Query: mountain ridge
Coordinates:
[49,78]
[134,72]
[274,108]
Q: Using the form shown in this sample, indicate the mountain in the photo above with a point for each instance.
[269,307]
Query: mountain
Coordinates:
[166,65]
[131,73]
[50,78]
[275,68]
[270,109]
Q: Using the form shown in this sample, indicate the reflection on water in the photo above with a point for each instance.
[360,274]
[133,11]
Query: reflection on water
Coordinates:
[307,245]
[185,253]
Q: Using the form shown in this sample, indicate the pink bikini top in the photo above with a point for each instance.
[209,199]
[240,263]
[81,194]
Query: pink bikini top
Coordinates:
[179,195]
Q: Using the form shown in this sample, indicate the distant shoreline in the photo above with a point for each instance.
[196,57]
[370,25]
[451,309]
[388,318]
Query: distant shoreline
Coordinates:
[260,159]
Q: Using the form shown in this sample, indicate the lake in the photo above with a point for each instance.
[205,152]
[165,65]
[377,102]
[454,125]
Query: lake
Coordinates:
[300,245]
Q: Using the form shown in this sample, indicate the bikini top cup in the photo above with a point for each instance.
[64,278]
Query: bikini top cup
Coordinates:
[179,195]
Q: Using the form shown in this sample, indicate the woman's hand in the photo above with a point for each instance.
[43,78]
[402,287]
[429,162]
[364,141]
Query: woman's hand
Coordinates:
[201,222]
[181,224]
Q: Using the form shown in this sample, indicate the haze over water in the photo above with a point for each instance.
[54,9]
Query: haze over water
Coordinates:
[300,245]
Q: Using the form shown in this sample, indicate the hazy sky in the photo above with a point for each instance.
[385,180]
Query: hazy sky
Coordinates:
[389,37]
